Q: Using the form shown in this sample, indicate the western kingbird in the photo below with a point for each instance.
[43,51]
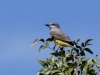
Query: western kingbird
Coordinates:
[59,37]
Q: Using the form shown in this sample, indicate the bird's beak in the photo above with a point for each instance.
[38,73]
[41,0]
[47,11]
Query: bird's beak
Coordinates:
[47,25]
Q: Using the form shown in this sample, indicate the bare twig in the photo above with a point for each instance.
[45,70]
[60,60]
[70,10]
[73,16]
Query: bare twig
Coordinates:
[75,64]
[51,48]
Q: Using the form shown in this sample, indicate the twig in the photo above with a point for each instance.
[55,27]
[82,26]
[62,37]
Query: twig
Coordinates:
[75,64]
[51,48]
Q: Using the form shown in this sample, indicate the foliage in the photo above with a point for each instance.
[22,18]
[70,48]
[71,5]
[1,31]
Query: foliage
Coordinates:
[68,62]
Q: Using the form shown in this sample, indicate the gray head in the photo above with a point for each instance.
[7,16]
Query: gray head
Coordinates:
[53,25]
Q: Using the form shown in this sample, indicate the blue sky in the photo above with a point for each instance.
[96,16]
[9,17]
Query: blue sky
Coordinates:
[22,21]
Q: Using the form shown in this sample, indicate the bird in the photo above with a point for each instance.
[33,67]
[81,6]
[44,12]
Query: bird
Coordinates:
[60,38]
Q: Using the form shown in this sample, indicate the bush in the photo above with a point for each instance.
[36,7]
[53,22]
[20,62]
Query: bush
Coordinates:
[68,62]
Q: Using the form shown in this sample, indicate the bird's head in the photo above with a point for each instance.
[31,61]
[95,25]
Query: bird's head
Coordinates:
[53,25]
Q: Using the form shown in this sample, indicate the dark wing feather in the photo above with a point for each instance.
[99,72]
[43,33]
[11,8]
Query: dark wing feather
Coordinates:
[59,35]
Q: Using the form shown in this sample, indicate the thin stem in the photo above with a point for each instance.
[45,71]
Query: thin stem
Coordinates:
[57,49]
[51,48]
[75,64]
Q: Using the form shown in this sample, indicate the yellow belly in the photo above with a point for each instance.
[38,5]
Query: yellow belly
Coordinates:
[60,43]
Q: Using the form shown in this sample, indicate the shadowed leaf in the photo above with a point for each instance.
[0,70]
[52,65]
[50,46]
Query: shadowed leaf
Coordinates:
[77,41]
[69,58]
[82,53]
[62,52]
[87,41]
[88,50]
[76,50]
[50,39]
[89,44]
[56,54]
[41,40]
[82,44]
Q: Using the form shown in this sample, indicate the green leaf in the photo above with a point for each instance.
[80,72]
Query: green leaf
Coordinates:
[82,53]
[89,44]
[47,72]
[88,50]
[92,72]
[41,40]
[47,43]
[39,73]
[56,54]
[87,41]
[50,39]
[55,71]
[35,42]
[89,62]
[62,52]
[69,58]
[64,60]
[69,53]
[84,72]
[52,58]
[76,50]
[43,63]
[95,60]
[79,60]
[98,65]
[82,44]
[59,62]
[77,41]
[71,64]
[61,74]
[42,47]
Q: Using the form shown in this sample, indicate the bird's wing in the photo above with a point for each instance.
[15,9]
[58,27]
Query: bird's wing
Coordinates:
[59,35]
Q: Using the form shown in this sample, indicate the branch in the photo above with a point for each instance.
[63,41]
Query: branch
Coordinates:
[75,64]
